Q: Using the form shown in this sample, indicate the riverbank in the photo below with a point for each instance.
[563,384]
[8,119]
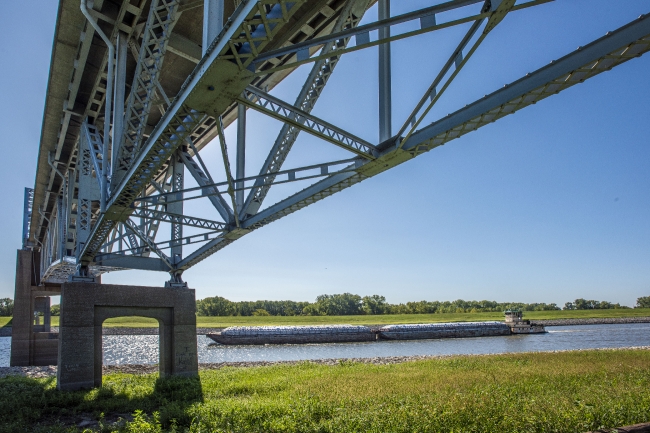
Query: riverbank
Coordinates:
[576,391]
[205,325]
[38,372]
[368,320]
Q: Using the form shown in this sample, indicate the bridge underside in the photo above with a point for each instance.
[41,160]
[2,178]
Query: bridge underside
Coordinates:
[139,90]
[120,163]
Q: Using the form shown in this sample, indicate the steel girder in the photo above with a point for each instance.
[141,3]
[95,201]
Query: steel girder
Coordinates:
[28,208]
[628,42]
[306,100]
[156,35]
[152,164]
[253,27]
[287,113]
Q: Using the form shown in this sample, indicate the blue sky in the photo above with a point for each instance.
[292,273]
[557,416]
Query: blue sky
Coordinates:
[546,205]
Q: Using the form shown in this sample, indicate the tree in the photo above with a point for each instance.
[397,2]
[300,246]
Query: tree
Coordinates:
[6,307]
[215,306]
[643,302]
[260,312]
[590,304]
[374,304]
[344,304]
[312,310]
[55,310]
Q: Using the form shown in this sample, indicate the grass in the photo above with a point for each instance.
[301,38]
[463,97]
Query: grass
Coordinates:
[543,392]
[384,319]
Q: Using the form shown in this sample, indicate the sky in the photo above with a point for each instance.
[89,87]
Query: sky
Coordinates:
[547,205]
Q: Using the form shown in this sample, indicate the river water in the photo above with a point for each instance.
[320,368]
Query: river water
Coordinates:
[143,349]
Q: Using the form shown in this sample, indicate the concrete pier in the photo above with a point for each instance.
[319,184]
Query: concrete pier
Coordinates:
[32,343]
[85,306]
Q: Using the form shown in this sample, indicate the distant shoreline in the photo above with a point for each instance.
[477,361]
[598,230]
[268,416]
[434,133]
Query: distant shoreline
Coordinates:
[113,330]
[592,321]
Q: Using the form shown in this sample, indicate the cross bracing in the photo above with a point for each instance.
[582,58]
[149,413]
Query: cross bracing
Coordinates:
[112,191]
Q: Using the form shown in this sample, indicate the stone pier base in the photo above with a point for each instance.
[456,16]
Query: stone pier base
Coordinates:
[85,306]
[32,343]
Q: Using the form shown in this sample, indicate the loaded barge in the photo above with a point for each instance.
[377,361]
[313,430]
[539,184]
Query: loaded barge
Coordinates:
[250,335]
[293,334]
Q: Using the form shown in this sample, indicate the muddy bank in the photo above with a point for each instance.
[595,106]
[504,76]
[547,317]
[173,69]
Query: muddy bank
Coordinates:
[50,371]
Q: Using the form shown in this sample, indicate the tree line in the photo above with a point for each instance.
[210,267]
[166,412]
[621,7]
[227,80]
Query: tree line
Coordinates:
[345,304]
[350,304]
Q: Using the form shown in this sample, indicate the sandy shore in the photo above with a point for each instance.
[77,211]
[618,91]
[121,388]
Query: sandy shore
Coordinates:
[50,371]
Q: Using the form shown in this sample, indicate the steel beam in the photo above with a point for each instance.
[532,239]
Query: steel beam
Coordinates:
[89,192]
[285,112]
[191,239]
[184,220]
[161,19]
[130,225]
[120,92]
[207,250]
[95,149]
[362,30]
[611,50]
[180,120]
[298,54]
[615,48]
[226,167]
[71,227]
[212,22]
[131,262]
[241,155]
[292,175]
[199,172]
[457,60]
[311,90]
[385,105]
[28,206]
[178,184]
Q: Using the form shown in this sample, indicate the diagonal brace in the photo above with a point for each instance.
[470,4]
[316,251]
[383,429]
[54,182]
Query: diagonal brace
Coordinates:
[204,179]
[131,226]
[168,217]
[285,112]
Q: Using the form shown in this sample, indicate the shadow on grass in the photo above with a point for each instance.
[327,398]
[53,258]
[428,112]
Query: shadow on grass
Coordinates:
[35,404]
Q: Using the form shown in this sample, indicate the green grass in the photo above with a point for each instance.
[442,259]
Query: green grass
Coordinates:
[4,321]
[544,392]
[222,322]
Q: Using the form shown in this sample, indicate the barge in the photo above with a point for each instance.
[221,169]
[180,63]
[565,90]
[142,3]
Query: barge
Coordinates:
[259,335]
[293,334]
[425,331]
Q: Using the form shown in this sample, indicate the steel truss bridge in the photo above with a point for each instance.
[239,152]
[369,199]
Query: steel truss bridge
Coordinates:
[138,88]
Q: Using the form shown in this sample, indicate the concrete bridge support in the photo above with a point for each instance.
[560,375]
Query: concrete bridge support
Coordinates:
[85,306]
[32,342]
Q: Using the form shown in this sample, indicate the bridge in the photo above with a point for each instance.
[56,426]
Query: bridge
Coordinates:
[139,88]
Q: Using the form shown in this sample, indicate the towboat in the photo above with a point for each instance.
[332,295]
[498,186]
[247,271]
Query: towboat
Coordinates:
[517,324]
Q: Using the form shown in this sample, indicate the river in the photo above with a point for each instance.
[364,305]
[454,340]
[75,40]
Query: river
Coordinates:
[143,349]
